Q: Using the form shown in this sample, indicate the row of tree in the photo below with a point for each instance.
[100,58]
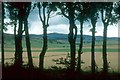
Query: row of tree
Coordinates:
[108,12]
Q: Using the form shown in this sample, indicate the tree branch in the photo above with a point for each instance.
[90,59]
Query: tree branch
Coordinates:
[44,18]
[64,13]
[52,14]
[102,16]
[28,9]
[40,12]
[109,15]
[48,16]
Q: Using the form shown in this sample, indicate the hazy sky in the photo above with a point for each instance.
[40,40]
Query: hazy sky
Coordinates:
[60,24]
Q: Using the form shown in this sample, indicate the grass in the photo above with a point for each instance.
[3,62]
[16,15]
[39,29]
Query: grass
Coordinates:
[62,46]
[37,42]
[67,50]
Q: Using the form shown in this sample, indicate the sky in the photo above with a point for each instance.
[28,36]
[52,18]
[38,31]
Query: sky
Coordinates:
[60,24]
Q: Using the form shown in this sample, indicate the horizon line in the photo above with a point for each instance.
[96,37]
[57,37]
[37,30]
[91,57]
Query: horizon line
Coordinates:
[67,34]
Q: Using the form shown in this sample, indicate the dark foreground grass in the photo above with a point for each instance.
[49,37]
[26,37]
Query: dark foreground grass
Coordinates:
[15,73]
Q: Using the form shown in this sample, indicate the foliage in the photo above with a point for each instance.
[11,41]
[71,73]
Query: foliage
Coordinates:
[65,61]
[73,11]
[117,11]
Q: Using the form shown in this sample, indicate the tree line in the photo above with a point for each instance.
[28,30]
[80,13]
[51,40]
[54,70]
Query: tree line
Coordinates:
[18,13]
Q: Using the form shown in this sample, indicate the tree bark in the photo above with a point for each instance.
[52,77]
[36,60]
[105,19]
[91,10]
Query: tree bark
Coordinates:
[105,20]
[80,47]
[105,63]
[15,39]
[2,34]
[93,47]
[30,61]
[71,36]
[72,53]
[44,49]
[19,43]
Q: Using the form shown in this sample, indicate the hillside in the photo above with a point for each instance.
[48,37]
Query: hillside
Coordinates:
[56,38]
[59,36]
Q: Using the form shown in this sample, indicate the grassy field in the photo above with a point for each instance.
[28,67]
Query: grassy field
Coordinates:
[57,52]
[60,48]
[112,59]
[67,50]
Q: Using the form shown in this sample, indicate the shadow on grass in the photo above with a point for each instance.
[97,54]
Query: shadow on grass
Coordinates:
[25,73]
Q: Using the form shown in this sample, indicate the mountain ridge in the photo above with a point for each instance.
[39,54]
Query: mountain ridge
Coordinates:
[60,36]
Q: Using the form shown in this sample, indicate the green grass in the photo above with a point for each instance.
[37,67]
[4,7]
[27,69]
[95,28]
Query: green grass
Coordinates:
[67,50]
[38,43]
[62,45]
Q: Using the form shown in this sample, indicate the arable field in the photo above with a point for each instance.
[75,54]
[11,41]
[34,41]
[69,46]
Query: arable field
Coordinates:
[57,53]
[59,48]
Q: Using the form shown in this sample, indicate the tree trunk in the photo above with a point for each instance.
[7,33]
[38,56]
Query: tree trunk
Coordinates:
[80,47]
[19,43]
[106,20]
[2,40]
[71,36]
[30,61]
[15,39]
[44,49]
[93,47]
[105,63]
[72,53]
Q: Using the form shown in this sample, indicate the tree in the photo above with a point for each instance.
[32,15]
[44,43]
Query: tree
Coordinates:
[117,11]
[2,34]
[20,31]
[14,11]
[68,11]
[13,16]
[81,17]
[93,10]
[15,35]
[27,8]
[45,9]
[106,15]
[18,9]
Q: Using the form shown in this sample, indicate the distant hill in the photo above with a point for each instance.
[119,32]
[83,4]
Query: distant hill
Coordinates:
[57,39]
[59,36]
[85,37]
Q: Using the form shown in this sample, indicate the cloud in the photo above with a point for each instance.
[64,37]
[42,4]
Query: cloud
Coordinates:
[58,20]
[34,16]
[35,28]
[60,24]
[61,28]
[112,31]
